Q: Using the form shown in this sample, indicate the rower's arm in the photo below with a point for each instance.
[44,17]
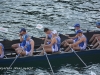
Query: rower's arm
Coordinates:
[48,40]
[73,37]
[21,39]
[78,42]
[0,49]
[32,46]
[52,42]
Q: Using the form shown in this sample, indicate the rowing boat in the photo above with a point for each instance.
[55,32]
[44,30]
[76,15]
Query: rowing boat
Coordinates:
[57,59]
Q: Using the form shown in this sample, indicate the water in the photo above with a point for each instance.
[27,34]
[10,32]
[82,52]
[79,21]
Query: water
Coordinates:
[64,70]
[54,14]
[16,14]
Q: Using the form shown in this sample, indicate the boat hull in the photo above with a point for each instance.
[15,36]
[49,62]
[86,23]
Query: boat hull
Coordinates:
[56,60]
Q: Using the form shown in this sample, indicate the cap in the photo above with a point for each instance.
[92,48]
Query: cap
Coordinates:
[22,29]
[79,31]
[54,32]
[98,23]
[77,25]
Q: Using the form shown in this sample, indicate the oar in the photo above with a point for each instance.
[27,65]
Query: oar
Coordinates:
[48,61]
[40,27]
[14,60]
[92,73]
[5,30]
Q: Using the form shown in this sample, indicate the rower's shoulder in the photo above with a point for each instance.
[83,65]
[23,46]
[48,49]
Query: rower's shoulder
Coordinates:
[31,40]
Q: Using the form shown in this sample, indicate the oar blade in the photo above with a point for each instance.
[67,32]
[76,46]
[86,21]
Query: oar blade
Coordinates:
[39,26]
[92,73]
[5,30]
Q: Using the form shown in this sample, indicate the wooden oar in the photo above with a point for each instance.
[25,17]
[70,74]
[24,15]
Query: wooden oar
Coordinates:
[92,73]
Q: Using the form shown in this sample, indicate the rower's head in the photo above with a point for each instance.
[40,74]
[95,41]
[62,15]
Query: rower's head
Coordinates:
[79,32]
[98,24]
[23,31]
[27,37]
[47,31]
[77,26]
[54,33]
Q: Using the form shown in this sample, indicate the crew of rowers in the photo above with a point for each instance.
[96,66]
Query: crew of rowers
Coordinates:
[52,42]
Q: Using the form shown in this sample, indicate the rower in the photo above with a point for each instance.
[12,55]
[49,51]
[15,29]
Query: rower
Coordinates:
[96,38]
[47,40]
[1,50]
[22,35]
[81,43]
[95,35]
[28,48]
[48,33]
[77,27]
[54,45]
[71,39]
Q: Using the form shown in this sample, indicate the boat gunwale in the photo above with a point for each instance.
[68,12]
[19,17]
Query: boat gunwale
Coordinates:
[53,54]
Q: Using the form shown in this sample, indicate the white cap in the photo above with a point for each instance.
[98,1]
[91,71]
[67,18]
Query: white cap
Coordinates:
[54,32]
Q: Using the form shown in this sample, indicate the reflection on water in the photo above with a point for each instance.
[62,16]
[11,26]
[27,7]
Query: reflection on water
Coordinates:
[64,70]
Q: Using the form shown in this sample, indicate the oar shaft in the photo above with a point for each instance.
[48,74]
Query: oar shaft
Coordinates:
[79,57]
[92,73]
[14,61]
[48,61]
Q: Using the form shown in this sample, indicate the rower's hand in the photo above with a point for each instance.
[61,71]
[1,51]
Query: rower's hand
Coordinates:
[20,34]
[70,45]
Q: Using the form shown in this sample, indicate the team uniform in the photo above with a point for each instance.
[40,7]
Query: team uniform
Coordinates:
[2,55]
[49,37]
[28,47]
[56,46]
[82,45]
[76,39]
[22,44]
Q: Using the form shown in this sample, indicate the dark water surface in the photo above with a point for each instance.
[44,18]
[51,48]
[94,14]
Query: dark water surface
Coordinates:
[55,14]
